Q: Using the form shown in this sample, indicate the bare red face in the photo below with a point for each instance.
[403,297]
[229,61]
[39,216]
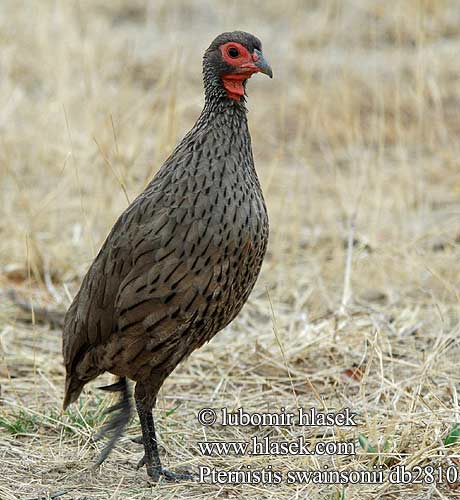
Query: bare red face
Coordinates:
[245,65]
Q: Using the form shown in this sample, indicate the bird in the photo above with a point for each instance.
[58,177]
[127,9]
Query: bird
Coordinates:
[180,261]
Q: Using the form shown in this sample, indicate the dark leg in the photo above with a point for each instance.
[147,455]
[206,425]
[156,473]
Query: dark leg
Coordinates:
[118,422]
[151,458]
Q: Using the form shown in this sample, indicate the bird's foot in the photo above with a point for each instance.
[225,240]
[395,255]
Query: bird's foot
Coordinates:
[137,440]
[177,477]
[155,472]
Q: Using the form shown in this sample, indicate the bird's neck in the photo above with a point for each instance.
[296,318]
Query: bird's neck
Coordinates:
[220,132]
[224,122]
[220,102]
[225,110]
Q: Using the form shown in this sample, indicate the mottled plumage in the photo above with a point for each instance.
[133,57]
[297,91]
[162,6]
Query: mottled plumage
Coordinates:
[181,260]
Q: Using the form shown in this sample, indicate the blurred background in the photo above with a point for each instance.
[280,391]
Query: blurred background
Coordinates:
[356,141]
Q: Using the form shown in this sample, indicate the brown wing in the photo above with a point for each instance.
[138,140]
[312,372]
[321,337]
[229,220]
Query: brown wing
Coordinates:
[152,272]
[91,318]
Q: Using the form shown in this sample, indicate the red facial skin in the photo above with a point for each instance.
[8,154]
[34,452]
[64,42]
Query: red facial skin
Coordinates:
[244,64]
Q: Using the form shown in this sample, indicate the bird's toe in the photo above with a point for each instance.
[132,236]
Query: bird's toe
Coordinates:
[176,477]
[137,439]
[155,473]
[141,463]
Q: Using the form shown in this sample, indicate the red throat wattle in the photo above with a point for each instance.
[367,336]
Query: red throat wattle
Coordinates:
[233,84]
[244,68]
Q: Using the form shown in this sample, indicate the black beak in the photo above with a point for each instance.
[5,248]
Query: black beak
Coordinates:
[262,64]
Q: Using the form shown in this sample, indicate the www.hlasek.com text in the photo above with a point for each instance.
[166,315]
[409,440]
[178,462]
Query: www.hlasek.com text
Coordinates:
[269,446]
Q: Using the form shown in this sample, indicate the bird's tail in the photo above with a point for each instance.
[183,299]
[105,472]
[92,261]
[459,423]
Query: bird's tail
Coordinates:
[73,388]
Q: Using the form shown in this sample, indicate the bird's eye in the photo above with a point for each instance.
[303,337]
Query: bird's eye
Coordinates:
[233,52]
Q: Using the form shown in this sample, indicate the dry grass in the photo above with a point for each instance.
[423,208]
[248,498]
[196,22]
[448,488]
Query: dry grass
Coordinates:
[356,140]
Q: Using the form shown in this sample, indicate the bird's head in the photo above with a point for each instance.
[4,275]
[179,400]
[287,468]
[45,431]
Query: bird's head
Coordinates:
[231,59]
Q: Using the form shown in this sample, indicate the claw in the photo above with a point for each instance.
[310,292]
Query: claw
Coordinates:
[137,440]
[141,463]
[169,476]
[175,477]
